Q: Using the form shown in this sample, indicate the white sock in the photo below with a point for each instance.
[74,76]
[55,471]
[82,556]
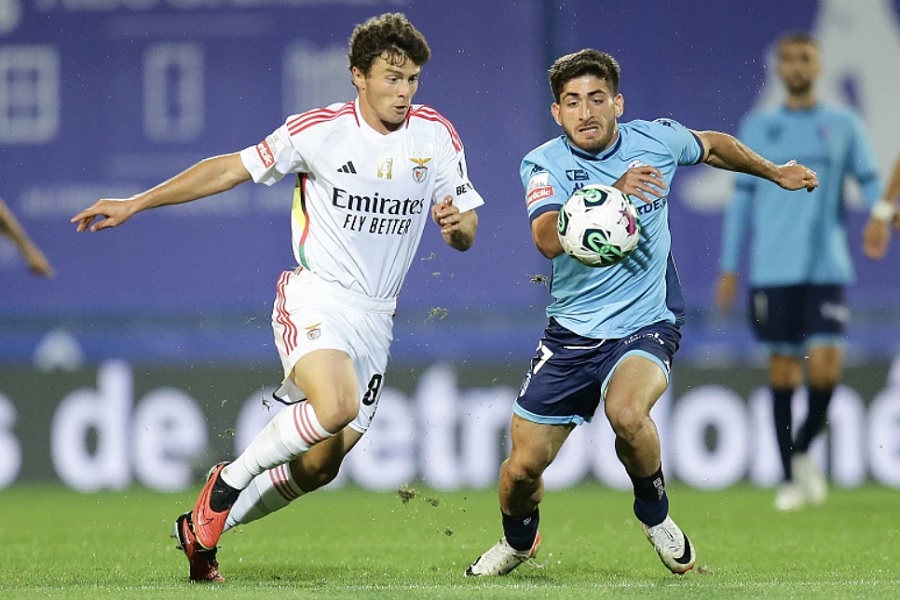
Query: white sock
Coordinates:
[268,492]
[292,432]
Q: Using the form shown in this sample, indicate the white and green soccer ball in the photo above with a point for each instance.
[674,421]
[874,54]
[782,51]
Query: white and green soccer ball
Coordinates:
[599,226]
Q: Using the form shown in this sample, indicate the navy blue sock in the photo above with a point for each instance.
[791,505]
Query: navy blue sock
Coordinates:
[781,407]
[521,531]
[651,504]
[815,420]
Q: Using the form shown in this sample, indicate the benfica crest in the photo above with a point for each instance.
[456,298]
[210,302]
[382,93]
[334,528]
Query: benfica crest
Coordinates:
[420,171]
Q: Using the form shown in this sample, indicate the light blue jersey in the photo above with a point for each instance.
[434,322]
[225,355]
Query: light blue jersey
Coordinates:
[613,302]
[799,237]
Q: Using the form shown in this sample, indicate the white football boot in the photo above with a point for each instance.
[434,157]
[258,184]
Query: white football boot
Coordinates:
[810,479]
[502,558]
[672,545]
[789,497]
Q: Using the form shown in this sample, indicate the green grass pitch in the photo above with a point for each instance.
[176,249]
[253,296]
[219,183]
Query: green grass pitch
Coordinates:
[355,544]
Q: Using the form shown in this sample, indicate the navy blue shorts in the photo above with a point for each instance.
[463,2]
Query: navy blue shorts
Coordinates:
[569,373]
[787,318]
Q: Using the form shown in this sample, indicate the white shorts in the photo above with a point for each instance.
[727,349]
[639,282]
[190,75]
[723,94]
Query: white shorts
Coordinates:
[311,314]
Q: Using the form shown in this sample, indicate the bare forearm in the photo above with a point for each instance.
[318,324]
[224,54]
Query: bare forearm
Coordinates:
[206,178]
[727,152]
[463,236]
[884,211]
[892,191]
[11,227]
[545,236]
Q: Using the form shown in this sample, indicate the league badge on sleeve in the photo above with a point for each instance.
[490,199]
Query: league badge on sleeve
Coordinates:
[538,188]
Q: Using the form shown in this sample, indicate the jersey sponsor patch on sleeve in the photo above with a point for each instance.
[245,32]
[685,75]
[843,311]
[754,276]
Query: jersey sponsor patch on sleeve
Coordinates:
[538,188]
[269,148]
[265,153]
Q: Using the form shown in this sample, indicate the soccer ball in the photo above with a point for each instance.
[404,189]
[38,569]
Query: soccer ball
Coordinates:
[598,226]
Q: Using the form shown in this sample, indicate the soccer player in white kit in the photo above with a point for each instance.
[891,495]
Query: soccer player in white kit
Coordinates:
[367,172]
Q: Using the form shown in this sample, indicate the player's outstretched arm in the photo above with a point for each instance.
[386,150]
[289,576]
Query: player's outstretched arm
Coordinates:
[725,151]
[457,228]
[206,178]
[34,258]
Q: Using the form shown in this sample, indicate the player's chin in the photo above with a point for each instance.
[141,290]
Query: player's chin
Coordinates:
[399,113]
[590,144]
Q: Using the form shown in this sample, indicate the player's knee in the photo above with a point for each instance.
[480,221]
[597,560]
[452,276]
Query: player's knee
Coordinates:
[781,380]
[784,372]
[337,411]
[523,472]
[824,381]
[626,420]
[825,370]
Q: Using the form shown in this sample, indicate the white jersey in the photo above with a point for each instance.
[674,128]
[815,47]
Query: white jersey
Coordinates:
[362,198]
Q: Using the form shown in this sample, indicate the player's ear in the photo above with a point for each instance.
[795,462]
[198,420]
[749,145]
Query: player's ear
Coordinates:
[619,103]
[359,78]
[554,110]
[817,65]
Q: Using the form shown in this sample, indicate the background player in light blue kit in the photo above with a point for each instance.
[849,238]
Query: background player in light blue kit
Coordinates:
[799,254]
[612,331]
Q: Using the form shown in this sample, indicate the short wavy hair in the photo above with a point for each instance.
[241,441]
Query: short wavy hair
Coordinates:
[584,62]
[795,37]
[389,34]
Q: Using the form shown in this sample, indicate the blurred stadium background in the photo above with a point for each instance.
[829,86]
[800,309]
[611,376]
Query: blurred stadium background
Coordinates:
[149,356]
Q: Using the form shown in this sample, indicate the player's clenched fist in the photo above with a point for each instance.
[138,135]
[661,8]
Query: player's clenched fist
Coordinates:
[794,176]
[457,228]
[445,214]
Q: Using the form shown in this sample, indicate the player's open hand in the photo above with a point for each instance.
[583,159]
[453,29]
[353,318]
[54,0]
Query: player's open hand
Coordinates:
[644,182]
[112,212]
[794,176]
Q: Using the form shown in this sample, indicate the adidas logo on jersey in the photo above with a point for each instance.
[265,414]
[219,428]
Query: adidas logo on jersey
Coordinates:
[348,168]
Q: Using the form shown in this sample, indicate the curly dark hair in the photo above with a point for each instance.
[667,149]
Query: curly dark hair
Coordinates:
[389,34]
[584,62]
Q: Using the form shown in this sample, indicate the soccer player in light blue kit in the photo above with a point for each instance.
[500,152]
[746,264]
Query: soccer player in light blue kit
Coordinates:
[799,255]
[612,331]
